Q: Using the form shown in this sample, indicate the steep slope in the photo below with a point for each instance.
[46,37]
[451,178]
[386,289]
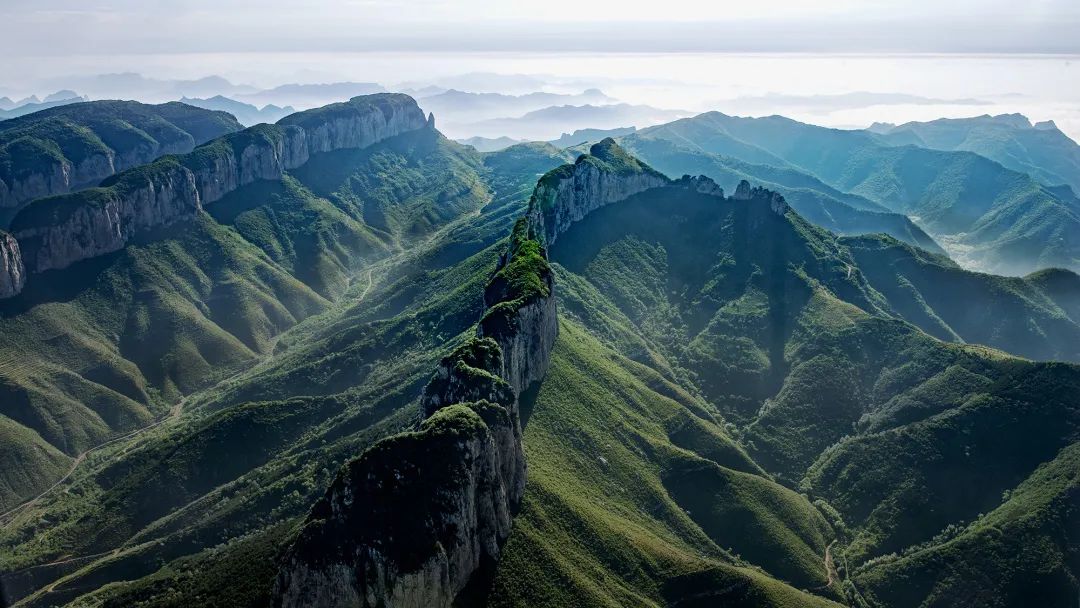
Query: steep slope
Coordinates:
[823,205]
[104,346]
[362,366]
[782,336]
[62,149]
[985,215]
[732,414]
[1041,150]
[1034,316]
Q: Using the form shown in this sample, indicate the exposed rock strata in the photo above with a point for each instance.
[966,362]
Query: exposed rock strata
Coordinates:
[419,515]
[605,175]
[12,271]
[63,149]
[59,231]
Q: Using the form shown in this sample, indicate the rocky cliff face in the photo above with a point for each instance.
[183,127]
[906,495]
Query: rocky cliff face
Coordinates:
[408,523]
[419,515]
[18,189]
[81,231]
[63,149]
[743,192]
[12,271]
[606,175]
[59,231]
[359,122]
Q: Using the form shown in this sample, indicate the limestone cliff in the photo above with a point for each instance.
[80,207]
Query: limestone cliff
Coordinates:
[607,174]
[75,146]
[73,227]
[359,122]
[408,523]
[743,192]
[421,514]
[58,231]
[12,271]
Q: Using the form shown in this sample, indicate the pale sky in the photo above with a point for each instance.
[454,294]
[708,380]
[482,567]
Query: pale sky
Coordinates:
[30,28]
[1013,55]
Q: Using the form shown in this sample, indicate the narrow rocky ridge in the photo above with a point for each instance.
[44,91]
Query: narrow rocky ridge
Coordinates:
[417,516]
[420,515]
[58,231]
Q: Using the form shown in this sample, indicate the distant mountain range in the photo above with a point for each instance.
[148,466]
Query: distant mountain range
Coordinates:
[566,140]
[549,123]
[1040,150]
[455,108]
[13,109]
[245,113]
[306,96]
[780,102]
[986,215]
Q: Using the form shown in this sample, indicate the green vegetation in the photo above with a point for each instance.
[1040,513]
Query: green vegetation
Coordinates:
[1043,152]
[97,139]
[741,407]
[840,212]
[599,527]
[1001,220]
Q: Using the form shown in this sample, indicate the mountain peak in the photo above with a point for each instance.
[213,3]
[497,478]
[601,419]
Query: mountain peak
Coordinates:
[616,159]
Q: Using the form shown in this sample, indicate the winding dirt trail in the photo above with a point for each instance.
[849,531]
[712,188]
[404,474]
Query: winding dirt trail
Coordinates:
[830,567]
[174,412]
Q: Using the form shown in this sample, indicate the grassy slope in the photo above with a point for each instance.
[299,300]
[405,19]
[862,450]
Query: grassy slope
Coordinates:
[232,466]
[825,206]
[1004,221]
[973,421]
[599,525]
[105,346]
[1021,553]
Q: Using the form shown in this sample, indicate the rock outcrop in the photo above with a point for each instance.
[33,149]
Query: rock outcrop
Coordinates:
[743,192]
[420,515]
[359,122]
[58,231]
[12,271]
[66,148]
[607,174]
[78,228]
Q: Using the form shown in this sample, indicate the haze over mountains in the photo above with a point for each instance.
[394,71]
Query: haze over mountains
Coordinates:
[708,388]
[511,340]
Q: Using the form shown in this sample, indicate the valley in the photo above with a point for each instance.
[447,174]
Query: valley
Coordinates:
[345,360]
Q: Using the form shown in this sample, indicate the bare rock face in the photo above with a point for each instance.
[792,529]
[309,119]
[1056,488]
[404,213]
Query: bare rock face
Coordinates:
[525,334]
[55,178]
[606,175]
[12,271]
[359,122]
[74,231]
[263,152]
[420,515]
[408,523]
[775,200]
[59,231]
[701,184]
[63,149]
